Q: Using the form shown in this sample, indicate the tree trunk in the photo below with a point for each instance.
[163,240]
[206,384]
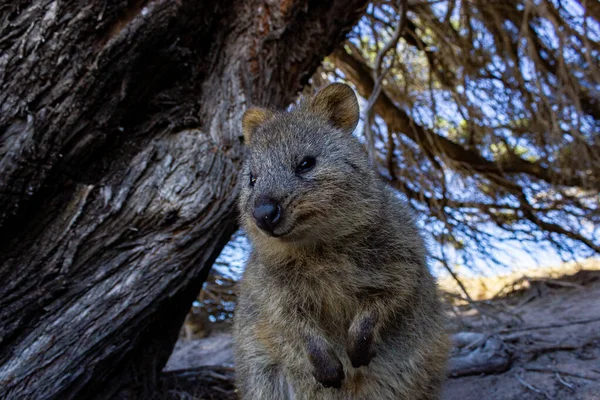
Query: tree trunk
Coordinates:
[119,151]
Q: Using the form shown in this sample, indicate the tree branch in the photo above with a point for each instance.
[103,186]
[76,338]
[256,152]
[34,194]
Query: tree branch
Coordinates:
[360,74]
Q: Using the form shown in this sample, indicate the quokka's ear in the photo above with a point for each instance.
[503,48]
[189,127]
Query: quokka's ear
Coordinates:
[252,119]
[337,102]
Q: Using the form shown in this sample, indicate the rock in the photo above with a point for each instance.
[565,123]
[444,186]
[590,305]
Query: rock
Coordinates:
[477,353]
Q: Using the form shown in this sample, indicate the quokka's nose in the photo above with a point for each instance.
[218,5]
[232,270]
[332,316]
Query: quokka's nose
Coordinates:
[267,214]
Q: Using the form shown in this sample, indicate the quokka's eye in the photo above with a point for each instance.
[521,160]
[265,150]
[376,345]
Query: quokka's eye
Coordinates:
[306,165]
[252,179]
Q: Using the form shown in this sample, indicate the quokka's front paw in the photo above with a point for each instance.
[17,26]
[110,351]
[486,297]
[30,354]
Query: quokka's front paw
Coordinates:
[331,374]
[327,367]
[361,348]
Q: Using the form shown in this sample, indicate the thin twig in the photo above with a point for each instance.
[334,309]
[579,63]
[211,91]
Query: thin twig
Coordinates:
[379,75]
[473,303]
[563,382]
[573,374]
[536,327]
[560,347]
[532,388]
[467,297]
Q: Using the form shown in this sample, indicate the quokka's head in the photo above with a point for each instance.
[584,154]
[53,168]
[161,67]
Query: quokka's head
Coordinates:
[306,178]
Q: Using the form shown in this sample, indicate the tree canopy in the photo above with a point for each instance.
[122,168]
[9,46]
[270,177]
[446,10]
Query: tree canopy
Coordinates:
[486,116]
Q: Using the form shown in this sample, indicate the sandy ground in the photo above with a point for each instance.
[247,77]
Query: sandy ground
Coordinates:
[550,332]
[558,362]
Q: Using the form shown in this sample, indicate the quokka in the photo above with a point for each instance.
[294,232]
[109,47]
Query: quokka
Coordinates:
[336,301]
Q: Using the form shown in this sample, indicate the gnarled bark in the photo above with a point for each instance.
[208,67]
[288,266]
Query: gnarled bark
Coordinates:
[119,150]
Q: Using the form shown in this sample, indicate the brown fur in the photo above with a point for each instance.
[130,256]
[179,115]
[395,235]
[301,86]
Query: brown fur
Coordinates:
[338,303]
[253,118]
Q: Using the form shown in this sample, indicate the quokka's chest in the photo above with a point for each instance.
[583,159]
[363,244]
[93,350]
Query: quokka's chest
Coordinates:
[328,298]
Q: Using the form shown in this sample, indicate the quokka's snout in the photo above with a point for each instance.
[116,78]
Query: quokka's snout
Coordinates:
[267,214]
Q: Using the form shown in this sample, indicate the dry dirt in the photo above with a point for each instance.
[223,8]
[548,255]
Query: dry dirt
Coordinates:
[554,349]
[548,336]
